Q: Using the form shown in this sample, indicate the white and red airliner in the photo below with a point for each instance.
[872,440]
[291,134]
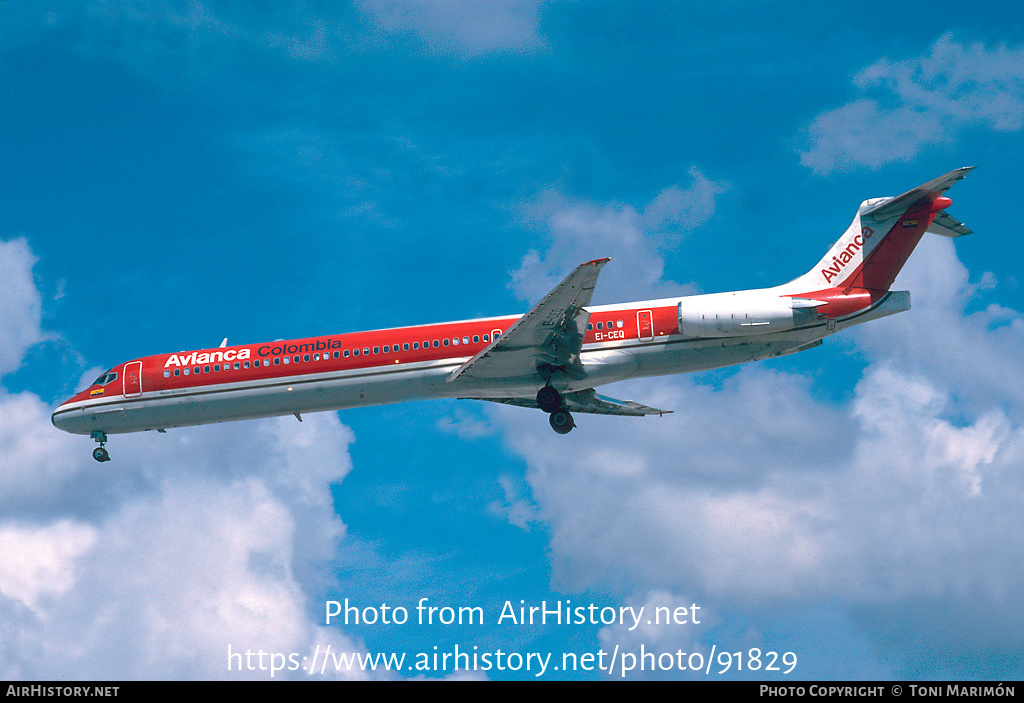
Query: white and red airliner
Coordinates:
[551,358]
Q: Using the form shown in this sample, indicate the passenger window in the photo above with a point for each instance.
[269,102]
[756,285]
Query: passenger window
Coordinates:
[476,339]
[487,337]
[618,324]
[355,352]
[246,364]
[415,345]
[446,342]
[177,372]
[167,373]
[195,369]
[277,362]
[405,347]
[366,351]
[465,340]
[305,357]
[187,372]
[287,360]
[376,350]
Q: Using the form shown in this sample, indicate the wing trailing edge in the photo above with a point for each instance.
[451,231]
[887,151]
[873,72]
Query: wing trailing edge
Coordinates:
[587,401]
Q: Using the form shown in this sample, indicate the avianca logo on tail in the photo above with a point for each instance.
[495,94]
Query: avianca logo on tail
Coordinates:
[840,261]
[207,357]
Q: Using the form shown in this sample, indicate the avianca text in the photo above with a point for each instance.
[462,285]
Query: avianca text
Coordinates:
[214,357]
[846,255]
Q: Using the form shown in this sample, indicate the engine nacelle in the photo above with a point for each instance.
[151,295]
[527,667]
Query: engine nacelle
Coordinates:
[743,314]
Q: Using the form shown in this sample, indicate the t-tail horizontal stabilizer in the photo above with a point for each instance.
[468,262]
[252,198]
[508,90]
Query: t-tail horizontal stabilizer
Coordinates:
[947,225]
[920,196]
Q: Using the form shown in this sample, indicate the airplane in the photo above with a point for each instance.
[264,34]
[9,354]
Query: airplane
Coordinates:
[551,358]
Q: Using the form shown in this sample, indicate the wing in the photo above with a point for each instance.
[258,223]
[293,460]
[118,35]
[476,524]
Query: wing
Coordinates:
[550,334]
[587,401]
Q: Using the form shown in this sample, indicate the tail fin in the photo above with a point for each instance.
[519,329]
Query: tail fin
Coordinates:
[882,236]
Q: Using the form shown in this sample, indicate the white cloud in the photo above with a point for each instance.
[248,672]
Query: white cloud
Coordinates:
[39,564]
[467,28]
[516,508]
[175,40]
[635,240]
[910,104]
[21,306]
[973,356]
[39,462]
[465,424]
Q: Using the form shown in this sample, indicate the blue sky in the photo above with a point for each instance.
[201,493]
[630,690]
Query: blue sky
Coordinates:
[178,172]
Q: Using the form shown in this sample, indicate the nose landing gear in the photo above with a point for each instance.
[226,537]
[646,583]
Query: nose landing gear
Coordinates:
[99,453]
[550,401]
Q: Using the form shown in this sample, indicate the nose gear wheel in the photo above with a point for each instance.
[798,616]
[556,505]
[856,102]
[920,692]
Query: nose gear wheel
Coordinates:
[99,453]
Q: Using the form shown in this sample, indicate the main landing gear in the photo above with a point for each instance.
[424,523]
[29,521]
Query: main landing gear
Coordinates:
[550,401]
[99,453]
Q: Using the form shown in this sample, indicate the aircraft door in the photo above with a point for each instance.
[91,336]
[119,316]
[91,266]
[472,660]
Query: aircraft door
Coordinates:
[645,325]
[132,378]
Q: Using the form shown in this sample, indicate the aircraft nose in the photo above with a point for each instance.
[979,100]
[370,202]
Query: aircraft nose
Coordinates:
[62,416]
[57,419]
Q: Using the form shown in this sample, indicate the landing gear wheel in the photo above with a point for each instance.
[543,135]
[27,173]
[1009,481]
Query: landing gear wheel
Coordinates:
[549,399]
[99,453]
[561,421]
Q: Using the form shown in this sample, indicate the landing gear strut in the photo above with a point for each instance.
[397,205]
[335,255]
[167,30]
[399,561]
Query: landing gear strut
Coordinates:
[550,401]
[99,453]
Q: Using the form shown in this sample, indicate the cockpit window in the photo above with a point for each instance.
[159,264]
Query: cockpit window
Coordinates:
[105,378]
